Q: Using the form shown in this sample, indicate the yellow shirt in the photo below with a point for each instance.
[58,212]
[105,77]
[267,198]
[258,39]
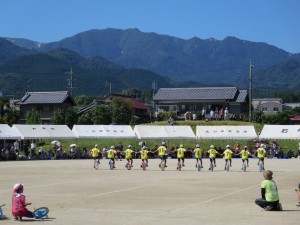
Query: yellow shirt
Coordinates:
[244,154]
[198,153]
[212,153]
[180,153]
[95,153]
[161,150]
[144,154]
[111,153]
[128,154]
[261,152]
[228,154]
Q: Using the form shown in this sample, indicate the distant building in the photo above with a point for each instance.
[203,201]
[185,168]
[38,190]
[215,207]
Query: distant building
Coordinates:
[181,100]
[287,106]
[90,106]
[268,105]
[294,119]
[46,103]
[140,110]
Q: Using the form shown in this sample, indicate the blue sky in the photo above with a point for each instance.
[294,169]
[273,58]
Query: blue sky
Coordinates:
[276,22]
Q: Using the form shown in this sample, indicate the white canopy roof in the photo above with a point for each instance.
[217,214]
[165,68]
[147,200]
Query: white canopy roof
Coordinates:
[7,132]
[44,131]
[225,132]
[280,132]
[163,132]
[103,131]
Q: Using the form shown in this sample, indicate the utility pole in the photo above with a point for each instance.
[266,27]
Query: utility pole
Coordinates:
[250,93]
[71,81]
[154,87]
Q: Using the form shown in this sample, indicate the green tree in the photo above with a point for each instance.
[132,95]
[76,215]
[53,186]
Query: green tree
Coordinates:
[85,118]
[10,116]
[121,111]
[33,117]
[166,115]
[82,100]
[101,114]
[70,117]
[147,96]
[257,116]
[59,117]
[3,102]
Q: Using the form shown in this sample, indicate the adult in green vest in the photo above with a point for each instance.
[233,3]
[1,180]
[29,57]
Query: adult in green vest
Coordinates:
[269,200]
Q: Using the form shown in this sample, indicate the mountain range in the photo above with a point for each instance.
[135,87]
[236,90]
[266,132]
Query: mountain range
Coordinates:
[131,58]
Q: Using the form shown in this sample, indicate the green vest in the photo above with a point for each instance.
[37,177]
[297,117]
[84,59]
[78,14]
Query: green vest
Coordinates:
[271,190]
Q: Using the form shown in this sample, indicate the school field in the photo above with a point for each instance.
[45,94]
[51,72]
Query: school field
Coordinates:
[75,193]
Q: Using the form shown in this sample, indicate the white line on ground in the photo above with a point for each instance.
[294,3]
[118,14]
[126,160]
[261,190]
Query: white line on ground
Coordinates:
[121,190]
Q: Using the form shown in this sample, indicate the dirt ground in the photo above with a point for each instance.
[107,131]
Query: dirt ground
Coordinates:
[75,193]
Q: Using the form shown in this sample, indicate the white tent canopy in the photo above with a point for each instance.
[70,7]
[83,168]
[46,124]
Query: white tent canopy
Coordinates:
[44,131]
[9,133]
[103,131]
[164,132]
[280,132]
[226,132]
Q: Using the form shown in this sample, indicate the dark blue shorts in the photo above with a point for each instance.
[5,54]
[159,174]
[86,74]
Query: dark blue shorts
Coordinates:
[29,214]
[163,157]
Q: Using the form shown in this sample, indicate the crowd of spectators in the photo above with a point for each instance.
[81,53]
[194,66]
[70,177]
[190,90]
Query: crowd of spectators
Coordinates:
[29,151]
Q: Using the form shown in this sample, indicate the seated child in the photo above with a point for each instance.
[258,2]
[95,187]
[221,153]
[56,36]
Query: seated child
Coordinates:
[19,203]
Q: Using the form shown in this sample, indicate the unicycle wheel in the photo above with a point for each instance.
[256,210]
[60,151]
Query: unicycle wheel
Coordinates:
[199,167]
[41,212]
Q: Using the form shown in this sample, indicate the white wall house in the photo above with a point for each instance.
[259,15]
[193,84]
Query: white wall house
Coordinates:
[268,105]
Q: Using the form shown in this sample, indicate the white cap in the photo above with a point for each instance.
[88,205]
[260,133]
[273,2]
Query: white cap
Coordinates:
[181,145]
[197,145]
[112,147]
[212,146]
[163,143]
[144,147]
[129,146]
[227,146]
[17,186]
[96,145]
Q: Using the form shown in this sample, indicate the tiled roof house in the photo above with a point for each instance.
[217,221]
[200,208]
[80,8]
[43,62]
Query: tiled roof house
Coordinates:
[194,99]
[44,102]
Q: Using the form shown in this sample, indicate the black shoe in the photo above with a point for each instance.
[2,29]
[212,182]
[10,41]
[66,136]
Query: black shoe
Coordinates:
[268,208]
[279,206]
